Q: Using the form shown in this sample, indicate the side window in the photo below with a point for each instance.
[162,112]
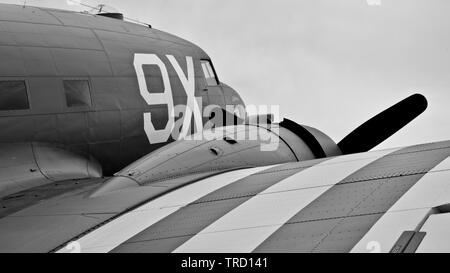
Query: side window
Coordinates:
[209,73]
[78,93]
[13,95]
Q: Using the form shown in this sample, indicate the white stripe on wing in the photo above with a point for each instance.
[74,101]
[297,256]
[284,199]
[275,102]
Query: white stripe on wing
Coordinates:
[409,211]
[248,225]
[112,234]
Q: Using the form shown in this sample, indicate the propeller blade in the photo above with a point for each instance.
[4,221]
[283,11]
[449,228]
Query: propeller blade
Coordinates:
[382,126]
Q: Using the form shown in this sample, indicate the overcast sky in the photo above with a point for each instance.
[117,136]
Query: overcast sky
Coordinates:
[330,64]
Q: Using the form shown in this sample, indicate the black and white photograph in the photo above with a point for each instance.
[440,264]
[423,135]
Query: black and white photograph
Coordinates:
[224,132]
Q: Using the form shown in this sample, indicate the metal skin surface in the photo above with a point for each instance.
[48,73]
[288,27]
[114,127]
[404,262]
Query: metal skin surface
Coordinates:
[32,164]
[187,157]
[44,47]
[336,204]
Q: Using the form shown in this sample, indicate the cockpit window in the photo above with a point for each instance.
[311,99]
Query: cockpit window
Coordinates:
[78,93]
[209,73]
[13,95]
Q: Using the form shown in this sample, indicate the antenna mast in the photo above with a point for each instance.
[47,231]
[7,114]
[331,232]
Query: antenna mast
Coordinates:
[100,7]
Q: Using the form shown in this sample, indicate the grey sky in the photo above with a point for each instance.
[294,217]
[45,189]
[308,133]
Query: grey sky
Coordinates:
[331,64]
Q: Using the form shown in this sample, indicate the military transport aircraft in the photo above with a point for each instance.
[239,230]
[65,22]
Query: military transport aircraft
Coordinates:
[105,147]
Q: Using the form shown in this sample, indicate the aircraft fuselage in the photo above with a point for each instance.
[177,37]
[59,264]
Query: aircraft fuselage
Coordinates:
[98,85]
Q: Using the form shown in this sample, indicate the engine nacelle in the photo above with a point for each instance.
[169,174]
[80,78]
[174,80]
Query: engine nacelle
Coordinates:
[234,147]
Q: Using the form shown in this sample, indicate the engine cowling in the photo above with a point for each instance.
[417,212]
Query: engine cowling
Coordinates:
[226,148]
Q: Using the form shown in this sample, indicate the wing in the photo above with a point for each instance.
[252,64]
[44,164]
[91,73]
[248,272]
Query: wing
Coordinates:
[390,201]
